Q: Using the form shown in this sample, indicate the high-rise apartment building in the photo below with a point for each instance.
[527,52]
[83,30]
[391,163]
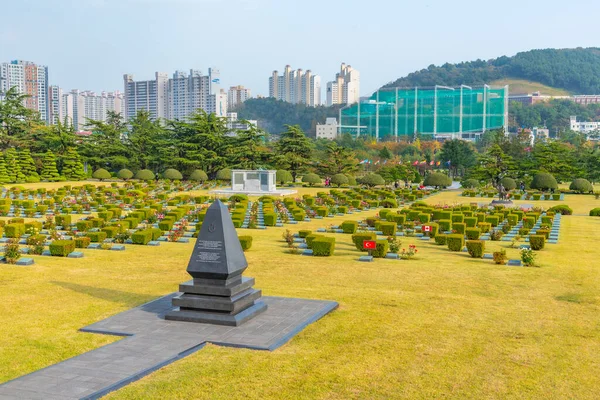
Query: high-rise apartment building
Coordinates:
[78,107]
[146,95]
[237,95]
[55,99]
[178,97]
[345,89]
[296,86]
[29,79]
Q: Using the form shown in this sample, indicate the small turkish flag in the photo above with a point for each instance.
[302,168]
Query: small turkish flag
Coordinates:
[369,244]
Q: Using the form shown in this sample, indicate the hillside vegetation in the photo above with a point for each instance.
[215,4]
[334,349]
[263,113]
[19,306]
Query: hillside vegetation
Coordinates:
[574,70]
[522,86]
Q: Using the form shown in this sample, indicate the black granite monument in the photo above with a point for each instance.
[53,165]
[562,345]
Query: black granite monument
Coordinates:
[218,294]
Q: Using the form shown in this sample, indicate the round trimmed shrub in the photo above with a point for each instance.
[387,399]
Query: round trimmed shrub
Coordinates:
[198,175]
[172,174]
[101,174]
[581,185]
[351,180]
[595,212]
[339,180]
[144,175]
[476,248]
[470,183]
[371,180]
[246,242]
[561,209]
[311,179]
[508,183]
[124,174]
[544,181]
[437,179]
[283,176]
[224,175]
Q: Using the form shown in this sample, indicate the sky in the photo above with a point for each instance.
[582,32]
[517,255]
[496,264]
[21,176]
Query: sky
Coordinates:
[90,44]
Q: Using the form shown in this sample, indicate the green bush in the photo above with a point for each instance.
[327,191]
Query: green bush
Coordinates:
[96,237]
[82,242]
[543,232]
[493,220]
[459,227]
[470,183]
[125,174]
[339,180]
[388,203]
[62,248]
[349,226]
[561,209]
[143,236]
[528,222]
[473,233]
[323,246]
[595,212]
[310,238]
[83,225]
[512,219]
[144,175]
[544,181]
[359,238]
[371,180]
[304,233]
[455,242]
[476,248]
[440,239]
[101,174]
[224,175]
[111,231]
[63,220]
[458,217]
[424,218]
[246,242]
[388,228]
[270,219]
[198,175]
[15,230]
[399,219]
[445,225]
[437,179]
[581,186]
[172,174]
[523,231]
[167,224]
[283,176]
[508,183]
[470,222]
[537,242]
[311,179]
[433,229]
[381,248]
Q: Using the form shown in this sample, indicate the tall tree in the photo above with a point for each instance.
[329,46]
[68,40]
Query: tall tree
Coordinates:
[16,120]
[72,166]
[338,160]
[49,171]
[493,166]
[459,153]
[293,150]
[146,141]
[12,165]
[249,150]
[27,166]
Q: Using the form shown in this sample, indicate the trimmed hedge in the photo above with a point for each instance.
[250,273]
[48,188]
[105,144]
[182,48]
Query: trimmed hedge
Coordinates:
[270,219]
[359,238]
[459,227]
[561,209]
[388,228]
[15,230]
[63,220]
[323,246]
[537,242]
[476,248]
[82,242]
[455,242]
[381,248]
[62,248]
[143,236]
[349,226]
[595,212]
[304,233]
[96,237]
[473,233]
[246,242]
[445,225]
[310,238]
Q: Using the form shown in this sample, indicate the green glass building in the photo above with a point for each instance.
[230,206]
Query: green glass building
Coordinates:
[445,112]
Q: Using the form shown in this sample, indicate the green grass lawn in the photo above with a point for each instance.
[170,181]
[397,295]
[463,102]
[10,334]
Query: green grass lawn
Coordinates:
[442,325]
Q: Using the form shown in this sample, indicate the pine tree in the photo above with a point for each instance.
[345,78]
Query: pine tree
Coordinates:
[12,165]
[27,166]
[72,166]
[49,171]
[3,175]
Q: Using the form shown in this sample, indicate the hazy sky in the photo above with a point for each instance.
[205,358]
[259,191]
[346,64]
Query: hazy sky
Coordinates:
[90,44]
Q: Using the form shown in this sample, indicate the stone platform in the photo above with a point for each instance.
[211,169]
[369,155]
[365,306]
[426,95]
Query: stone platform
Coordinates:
[152,342]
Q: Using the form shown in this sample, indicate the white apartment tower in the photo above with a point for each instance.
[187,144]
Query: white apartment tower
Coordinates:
[77,107]
[345,89]
[30,79]
[55,105]
[237,95]
[146,95]
[296,86]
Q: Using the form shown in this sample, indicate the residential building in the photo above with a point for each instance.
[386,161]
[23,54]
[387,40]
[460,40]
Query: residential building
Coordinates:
[329,130]
[146,95]
[587,99]
[345,89]
[237,95]
[296,86]
[77,107]
[234,125]
[585,127]
[29,79]
[55,100]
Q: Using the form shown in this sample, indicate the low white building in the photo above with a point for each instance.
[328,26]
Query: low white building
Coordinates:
[234,125]
[539,134]
[329,130]
[584,127]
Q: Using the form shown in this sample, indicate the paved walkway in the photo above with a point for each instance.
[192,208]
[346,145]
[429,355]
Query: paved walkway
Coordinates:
[153,342]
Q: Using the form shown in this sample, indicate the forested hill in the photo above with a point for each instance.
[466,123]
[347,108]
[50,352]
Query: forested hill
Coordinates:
[273,114]
[576,70]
